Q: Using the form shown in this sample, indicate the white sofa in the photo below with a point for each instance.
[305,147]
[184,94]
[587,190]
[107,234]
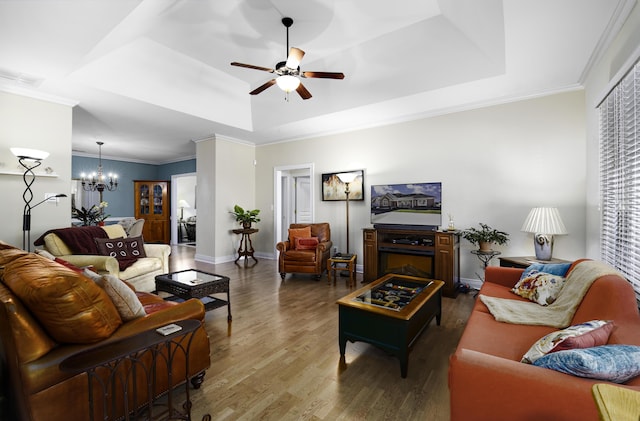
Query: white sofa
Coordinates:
[140,274]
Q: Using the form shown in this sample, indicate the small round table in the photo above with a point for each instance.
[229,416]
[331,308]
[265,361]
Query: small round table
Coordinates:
[247,250]
[485,256]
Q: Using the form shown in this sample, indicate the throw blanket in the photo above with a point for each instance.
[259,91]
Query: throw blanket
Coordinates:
[560,312]
[78,239]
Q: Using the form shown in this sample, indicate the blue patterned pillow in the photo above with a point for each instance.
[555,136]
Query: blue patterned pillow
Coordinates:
[558,269]
[614,363]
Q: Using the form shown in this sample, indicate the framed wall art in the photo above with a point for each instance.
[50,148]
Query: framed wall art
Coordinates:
[334,189]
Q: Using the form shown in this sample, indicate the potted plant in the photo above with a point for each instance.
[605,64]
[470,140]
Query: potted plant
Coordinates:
[485,236]
[93,216]
[246,218]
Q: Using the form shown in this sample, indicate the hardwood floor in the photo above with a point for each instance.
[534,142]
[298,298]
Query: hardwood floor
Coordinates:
[279,359]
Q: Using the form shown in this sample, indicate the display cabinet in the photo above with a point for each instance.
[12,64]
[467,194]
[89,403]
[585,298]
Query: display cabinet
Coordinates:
[152,205]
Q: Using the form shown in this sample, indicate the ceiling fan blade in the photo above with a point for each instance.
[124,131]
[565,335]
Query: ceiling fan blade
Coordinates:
[251,66]
[295,57]
[262,87]
[324,75]
[302,91]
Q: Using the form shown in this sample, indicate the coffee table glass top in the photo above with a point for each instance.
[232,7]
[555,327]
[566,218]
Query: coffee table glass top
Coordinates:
[393,294]
[193,277]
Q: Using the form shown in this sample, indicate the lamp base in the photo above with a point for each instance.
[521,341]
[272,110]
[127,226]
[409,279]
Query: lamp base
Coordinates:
[543,245]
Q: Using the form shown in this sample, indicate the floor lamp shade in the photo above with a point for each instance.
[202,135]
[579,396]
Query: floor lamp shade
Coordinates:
[544,223]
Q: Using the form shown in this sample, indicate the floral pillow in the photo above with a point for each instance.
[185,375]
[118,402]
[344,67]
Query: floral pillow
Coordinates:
[542,288]
[583,335]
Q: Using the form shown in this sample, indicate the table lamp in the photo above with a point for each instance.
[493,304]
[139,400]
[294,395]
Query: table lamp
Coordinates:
[544,223]
[183,204]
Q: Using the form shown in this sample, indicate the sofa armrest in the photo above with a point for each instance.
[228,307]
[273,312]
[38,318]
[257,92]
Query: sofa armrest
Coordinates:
[190,309]
[160,251]
[481,383]
[100,263]
[282,246]
[507,277]
[324,246]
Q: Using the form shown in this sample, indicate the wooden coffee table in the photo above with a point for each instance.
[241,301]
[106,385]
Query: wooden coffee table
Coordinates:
[389,323]
[194,283]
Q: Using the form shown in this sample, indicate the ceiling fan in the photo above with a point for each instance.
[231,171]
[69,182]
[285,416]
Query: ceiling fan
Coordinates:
[289,71]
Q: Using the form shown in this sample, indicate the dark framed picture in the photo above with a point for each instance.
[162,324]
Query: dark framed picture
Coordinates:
[333,188]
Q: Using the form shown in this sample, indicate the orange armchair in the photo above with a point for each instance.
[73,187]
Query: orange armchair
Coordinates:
[313,261]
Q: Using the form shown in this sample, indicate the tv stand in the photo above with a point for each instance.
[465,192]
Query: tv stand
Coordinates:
[407,250]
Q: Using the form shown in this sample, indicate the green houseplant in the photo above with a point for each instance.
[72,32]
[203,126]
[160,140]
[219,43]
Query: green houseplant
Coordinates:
[246,218]
[93,216]
[485,236]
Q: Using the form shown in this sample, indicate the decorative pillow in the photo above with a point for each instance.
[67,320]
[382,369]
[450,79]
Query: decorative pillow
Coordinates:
[123,297]
[298,233]
[541,288]
[559,269]
[70,307]
[125,250]
[614,363]
[307,243]
[583,335]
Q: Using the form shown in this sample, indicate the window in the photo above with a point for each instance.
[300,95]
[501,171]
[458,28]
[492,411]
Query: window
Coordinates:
[620,177]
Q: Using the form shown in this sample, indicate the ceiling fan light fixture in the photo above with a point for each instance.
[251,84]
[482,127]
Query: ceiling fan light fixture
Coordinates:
[288,83]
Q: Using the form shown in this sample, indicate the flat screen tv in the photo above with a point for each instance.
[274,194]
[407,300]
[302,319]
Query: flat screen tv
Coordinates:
[417,204]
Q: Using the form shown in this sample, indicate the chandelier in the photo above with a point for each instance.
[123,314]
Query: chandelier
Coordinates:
[97,181]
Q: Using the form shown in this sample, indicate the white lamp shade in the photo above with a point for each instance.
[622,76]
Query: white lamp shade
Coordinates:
[183,204]
[347,177]
[288,83]
[34,154]
[544,221]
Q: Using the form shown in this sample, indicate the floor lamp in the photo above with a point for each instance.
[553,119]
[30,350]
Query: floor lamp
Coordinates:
[29,159]
[346,178]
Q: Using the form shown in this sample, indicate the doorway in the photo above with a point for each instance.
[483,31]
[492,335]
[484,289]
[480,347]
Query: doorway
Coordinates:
[293,200]
[183,209]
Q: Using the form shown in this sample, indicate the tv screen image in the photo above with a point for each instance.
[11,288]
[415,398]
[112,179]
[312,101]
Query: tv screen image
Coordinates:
[406,204]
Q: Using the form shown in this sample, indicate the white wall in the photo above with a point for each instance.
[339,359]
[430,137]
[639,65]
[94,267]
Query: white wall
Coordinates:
[495,164]
[225,177]
[35,124]
[622,53]
[235,184]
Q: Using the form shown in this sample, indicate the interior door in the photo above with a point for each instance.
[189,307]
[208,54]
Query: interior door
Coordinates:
[303,200]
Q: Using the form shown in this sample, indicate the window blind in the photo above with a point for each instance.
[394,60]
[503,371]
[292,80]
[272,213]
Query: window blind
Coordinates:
[620,177]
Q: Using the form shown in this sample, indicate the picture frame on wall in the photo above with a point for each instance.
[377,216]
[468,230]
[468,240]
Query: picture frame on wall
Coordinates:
[333,189]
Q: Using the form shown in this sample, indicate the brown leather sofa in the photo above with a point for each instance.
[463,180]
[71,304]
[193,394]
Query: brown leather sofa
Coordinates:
[487,381]
[34,385]
[314,262]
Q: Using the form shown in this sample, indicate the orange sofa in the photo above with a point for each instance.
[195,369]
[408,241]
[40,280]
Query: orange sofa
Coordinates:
[487,381]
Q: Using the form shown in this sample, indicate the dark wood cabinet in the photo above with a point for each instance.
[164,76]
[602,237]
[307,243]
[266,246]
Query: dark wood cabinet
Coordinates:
[522,262]
[415,252]
[152,204]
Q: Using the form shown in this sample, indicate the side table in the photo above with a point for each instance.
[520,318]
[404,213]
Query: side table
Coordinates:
[246,246]
[194,283]
[342,262]
[523,262]
[485,256]
[134,360]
